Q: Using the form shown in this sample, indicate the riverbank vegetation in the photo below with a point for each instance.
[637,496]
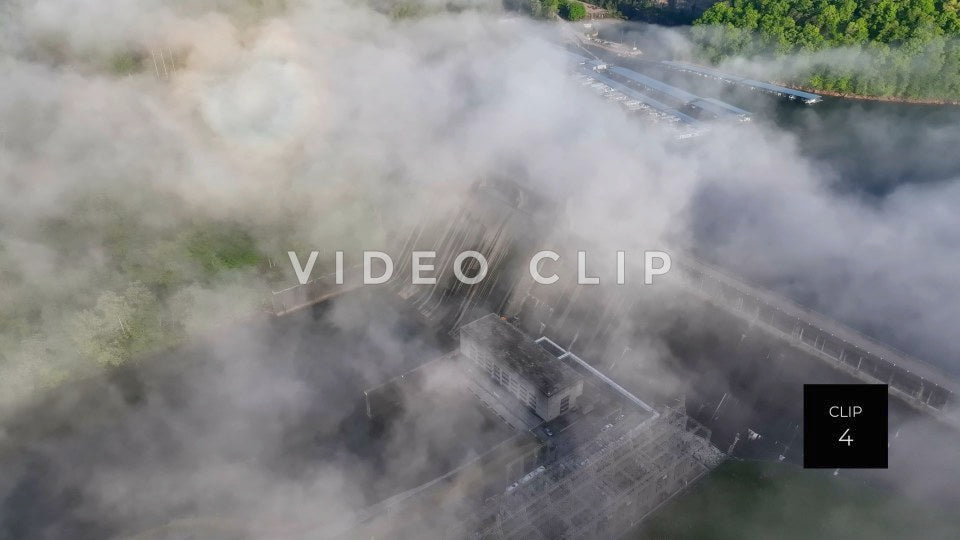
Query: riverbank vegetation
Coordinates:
[108,287]
[901,48]
[571,10]
[651,11]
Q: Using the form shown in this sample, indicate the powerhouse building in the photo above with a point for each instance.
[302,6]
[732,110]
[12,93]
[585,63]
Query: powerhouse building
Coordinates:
[588,459]
[547,386]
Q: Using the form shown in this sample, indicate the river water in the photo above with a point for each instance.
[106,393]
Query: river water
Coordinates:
[872,146]
[882,165]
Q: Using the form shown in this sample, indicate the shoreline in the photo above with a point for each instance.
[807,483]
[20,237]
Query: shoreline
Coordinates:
[884,99]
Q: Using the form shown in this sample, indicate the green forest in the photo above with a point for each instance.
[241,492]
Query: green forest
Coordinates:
[890,48]
[571,10]
[652,11]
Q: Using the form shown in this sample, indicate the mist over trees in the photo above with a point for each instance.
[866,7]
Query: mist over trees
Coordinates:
[903,48]
[571,10]
[666,12]
[155,171]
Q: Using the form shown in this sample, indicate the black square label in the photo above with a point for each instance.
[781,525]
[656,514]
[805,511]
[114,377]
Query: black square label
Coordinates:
[845,426]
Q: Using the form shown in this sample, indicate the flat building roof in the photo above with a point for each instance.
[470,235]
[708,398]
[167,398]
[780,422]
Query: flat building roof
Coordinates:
[520,353]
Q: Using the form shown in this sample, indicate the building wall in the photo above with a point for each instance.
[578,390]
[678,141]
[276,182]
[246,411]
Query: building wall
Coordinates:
[545,407]
[554,405]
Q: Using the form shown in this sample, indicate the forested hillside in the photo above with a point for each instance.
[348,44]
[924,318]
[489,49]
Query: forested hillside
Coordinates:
[571,10]
[664,12]
[905,48]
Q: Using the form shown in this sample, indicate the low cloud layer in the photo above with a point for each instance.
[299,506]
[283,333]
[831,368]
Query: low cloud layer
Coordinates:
[129,132]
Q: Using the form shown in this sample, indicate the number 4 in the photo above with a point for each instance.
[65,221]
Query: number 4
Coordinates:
[846,438]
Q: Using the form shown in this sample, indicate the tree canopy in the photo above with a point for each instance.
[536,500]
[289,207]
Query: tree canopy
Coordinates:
[572,10]
[907,48]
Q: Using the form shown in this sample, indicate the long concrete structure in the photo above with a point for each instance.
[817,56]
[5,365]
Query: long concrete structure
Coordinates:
[770,88]
[678,94]
[313,292]
[913,381]
[711,107]
[720,109]
[916,383]
[594,70]
[642,98]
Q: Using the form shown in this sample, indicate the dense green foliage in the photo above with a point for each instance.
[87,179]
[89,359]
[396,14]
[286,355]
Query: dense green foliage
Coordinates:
[149,281]
[572,10]
[652,11]
[218,250]
[907,48]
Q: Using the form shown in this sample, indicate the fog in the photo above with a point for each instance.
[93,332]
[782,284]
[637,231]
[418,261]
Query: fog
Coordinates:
[131,132]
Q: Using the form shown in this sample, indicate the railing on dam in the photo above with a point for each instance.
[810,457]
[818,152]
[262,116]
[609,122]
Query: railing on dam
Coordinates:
[314,291]
[913,381]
